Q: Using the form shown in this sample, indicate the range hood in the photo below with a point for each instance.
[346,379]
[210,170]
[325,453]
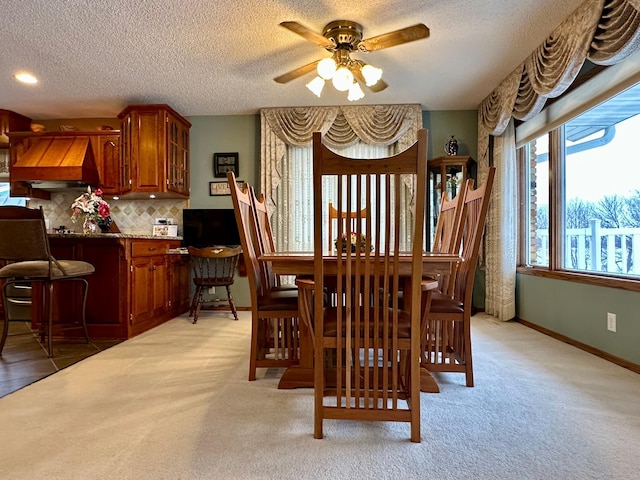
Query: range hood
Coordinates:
[57,162]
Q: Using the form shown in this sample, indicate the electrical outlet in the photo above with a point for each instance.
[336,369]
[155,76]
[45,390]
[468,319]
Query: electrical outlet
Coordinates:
[611,322]
[212,291]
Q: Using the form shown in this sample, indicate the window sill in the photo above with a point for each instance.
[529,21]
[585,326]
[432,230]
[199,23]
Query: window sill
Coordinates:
[589,279]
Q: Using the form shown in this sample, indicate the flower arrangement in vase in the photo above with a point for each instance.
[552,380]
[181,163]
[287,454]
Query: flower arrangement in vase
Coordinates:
[93,209]
[352,239]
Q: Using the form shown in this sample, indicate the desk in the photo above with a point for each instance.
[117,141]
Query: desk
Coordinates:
[301,263]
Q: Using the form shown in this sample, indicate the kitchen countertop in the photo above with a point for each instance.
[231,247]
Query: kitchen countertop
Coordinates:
[111,235]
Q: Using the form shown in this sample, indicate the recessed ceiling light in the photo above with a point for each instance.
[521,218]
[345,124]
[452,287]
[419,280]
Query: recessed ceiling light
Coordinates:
[26,78]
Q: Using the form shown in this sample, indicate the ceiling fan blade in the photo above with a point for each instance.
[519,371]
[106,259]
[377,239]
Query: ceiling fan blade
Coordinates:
[397,37]
[298,72]
[377,87]
[308,34]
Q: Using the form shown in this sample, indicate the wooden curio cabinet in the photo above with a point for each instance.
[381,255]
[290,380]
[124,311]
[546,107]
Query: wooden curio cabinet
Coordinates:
[446,173]
[155,152]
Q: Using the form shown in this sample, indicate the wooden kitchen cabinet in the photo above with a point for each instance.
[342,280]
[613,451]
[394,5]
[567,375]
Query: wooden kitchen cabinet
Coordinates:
[136,285]
[106,151]
[179,283]
[12,122]
[154,152]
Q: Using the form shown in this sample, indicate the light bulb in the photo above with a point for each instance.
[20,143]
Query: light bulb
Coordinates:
[25,77]
[342,79]
[326,68]
[371,74]
[316,86]
[355,92]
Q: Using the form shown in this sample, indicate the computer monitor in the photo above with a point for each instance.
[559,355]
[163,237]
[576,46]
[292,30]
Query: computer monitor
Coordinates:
[205,227]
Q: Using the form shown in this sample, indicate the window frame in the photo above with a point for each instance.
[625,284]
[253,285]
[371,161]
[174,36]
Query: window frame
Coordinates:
[556,270]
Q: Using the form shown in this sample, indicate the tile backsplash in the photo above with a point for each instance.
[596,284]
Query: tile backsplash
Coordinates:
[134,217]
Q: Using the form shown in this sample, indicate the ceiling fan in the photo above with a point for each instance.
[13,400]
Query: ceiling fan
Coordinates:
[341,38]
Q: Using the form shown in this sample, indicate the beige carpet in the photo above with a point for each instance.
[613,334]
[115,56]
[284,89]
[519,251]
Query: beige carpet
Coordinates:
[174,403]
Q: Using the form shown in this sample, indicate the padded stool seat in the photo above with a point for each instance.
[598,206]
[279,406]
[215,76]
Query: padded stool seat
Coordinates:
[24,246]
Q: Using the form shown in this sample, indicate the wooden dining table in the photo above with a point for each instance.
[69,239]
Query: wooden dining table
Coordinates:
[302,263]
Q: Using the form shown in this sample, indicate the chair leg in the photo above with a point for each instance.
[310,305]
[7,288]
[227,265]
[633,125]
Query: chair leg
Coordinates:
[232,304]
[467,353]
[255,332]
[194,301]
[318,392]
[85,288]
[198,302]
[49,288]
[5,328]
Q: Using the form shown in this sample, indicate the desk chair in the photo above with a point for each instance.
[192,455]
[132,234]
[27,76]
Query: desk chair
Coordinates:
[25,246]
[213,267]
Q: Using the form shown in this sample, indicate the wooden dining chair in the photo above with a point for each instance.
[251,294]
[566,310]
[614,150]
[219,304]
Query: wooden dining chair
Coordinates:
[448,232]
[275,333]
[213,267]
[266,243]
[348,222]
[367,348]
[447,336]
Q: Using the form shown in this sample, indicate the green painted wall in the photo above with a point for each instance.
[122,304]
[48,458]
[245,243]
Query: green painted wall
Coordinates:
[232,133]
[241,133]
[579,311]
[463,124]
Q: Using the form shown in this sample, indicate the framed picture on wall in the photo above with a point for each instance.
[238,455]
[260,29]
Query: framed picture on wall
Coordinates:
[223,163]
[222,188]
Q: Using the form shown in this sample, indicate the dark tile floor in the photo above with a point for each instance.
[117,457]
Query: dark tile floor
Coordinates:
[24,360]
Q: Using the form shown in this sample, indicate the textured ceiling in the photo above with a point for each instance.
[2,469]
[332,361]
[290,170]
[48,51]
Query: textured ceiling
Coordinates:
[94,57]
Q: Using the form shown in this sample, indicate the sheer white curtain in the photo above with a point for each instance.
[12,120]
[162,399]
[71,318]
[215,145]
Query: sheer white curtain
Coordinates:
[501,233]
[292,219]
[369,131]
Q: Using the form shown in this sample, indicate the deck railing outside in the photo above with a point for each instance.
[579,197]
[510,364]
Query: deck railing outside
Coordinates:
[597,249]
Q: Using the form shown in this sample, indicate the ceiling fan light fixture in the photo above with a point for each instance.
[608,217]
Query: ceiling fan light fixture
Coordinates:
[371,74]
[316,85]
[343,79]
[327,68]
[355,92]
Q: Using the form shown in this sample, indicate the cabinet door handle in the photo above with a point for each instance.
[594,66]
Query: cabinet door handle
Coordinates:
[152,249]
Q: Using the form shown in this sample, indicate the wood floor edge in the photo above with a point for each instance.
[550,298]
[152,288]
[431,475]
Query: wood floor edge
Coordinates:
[582,346]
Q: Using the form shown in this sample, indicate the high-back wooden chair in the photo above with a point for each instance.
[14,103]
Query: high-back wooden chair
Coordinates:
[24,245]
[448,233]
[346,221]
[213,267]
[275,332]
[265,242]
[366,347]
[447,341]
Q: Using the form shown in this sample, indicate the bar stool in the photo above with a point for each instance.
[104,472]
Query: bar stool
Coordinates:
[24,245]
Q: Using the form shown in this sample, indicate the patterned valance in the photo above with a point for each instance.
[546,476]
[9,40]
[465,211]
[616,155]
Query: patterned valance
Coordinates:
[341,127]
[602,31]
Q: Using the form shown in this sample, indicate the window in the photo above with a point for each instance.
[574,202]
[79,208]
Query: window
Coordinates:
[5,199]
[583,193]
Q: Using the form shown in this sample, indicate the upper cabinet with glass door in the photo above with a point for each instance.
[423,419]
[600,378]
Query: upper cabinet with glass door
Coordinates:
[155,152]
